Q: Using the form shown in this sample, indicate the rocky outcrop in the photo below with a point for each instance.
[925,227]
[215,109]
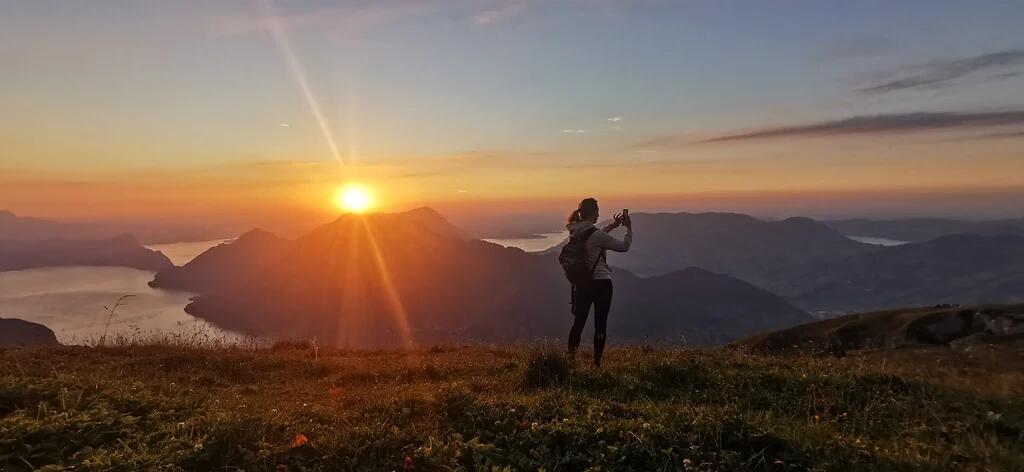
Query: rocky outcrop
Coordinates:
[16,332]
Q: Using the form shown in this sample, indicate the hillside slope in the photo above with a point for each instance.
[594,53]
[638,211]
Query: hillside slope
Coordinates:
[892,328]
[476,408]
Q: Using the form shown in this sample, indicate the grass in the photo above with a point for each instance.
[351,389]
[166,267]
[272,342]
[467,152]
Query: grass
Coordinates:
[293,407]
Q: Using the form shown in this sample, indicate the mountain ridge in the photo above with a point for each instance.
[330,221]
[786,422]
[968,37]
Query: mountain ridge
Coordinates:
[369,280]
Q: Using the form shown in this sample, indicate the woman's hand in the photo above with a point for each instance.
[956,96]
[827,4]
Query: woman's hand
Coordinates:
[617,220]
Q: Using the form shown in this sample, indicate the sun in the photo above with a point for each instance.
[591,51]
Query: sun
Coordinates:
[354,198]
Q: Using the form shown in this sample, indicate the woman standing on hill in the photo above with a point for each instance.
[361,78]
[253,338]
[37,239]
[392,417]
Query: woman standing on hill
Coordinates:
[595,289]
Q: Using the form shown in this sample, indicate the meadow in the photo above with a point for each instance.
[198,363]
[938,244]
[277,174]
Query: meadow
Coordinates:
[299,407]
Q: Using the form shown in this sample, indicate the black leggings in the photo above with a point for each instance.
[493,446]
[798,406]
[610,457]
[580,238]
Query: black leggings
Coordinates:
[599,294]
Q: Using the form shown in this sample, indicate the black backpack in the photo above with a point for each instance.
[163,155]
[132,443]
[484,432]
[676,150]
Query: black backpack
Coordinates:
[573,259]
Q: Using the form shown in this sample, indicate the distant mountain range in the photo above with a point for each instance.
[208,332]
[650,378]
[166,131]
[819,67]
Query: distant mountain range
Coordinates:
[733,244]
[965,268]
[123,250]
[25,228]
[708,278]
[924,229]
[822,270]
[383,279]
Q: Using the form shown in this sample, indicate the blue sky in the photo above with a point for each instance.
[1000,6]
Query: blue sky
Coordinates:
[509,98]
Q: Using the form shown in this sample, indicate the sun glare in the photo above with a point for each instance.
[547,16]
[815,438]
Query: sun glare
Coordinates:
[354,198]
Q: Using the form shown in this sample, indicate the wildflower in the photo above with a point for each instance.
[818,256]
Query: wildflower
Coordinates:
[300,439]
[687,462]
[407,462]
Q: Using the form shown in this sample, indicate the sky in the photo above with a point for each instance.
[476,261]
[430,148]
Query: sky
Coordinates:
[258,110]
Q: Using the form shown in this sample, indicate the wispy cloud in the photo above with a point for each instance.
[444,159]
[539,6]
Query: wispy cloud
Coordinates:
[851,47]
[501,12]
[940,73]
[1006,134]
[574,131]
[858,125]
[890,123]
[615,119]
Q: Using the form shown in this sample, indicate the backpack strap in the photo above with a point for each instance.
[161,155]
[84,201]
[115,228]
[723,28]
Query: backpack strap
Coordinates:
[583,238]
[586,237]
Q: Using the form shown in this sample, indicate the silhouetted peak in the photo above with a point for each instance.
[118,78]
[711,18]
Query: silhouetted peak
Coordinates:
[7,214]
[256,235]
[423,218]
[126,239]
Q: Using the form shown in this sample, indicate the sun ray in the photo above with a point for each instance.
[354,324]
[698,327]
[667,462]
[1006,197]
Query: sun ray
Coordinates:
[280,35]
[394,299]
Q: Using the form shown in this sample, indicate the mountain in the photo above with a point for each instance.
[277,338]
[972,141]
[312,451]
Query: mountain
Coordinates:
[965,268]
[716,308]
[733,244]
[249,253]
[942,325]
[923,229]
[24,228]
[386,279]
[123,250]
[15,332]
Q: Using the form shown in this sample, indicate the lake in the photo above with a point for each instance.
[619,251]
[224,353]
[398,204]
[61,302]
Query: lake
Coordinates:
[878,241]
[537,244]
[71,300]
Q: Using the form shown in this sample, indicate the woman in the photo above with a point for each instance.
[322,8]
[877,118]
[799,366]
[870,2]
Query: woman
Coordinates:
[598,291]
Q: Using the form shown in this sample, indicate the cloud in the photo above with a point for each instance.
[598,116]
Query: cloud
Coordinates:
[890,123]
[1007,134]
[574,131]
[940,73]
[615,119]
[854,47]
[500,13]
[857,125]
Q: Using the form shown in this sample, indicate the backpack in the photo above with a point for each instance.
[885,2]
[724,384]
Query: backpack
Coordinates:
[573,259]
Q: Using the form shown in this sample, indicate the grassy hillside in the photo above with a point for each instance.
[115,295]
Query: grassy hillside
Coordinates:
[293,408]
[888,328]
